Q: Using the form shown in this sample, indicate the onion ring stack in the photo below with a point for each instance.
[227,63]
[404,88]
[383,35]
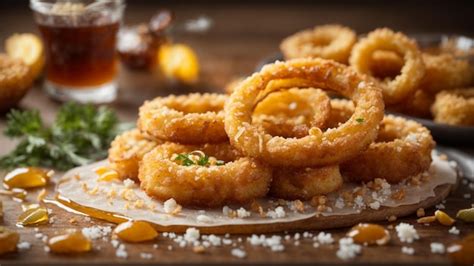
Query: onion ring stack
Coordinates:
[328,41]
[277,135]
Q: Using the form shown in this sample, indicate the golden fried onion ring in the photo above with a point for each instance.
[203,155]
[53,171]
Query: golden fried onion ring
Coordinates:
[189,119]
[318,148]
[305,183]
[328,41]
[239,180]
[402,149]
[127,150]
[455,107]
[412,71]
[444,72]
[291,113]
[15,80]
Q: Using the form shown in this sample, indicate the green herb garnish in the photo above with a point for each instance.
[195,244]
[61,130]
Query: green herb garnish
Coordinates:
[184,158]
[202,159]
[80,134]
[360,120]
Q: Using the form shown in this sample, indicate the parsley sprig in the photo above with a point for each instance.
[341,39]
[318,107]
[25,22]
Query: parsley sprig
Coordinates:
[203,160]
[80,134]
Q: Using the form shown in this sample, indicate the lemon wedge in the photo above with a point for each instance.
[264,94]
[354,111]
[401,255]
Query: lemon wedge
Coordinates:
[179,61]
[28,48]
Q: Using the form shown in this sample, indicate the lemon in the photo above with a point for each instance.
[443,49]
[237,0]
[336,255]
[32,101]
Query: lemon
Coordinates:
[179,61]
[28,48]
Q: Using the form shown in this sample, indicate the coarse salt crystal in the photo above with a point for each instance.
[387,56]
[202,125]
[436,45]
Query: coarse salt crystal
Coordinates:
[96,232]
[408,250]
[239,253]
[146,256]
[203,218]
[437,248]
[23,245]
[325,238]
[192,234]
[374,205]
[129,183]
[243,213]
[347,249]
[454,231]
[170,205]
[121,252]
[406,232]
[279,212]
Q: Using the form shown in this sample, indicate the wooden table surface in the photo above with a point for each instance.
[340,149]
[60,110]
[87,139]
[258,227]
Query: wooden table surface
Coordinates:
[242,34]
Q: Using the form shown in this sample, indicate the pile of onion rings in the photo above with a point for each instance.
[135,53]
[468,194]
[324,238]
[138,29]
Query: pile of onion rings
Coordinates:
[327,41]
[276,135]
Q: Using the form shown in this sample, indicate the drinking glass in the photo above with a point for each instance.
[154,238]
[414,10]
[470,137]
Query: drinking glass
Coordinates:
[80,38]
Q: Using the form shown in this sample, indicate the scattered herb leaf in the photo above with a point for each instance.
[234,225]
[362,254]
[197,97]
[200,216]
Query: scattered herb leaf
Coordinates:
[360,120]
[80,134]
[184,158]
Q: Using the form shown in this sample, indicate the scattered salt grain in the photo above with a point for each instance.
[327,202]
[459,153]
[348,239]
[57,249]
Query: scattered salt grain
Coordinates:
[23,245]
[406,232]
[96,232]
[408,250]
[239,253]
[279,212]
[437,248]
[347,249]
[170,205]
[454,231]
[243,213]
[325,238]
[128,183]
[121,252]
[192,234]
[203,218]
[146,256]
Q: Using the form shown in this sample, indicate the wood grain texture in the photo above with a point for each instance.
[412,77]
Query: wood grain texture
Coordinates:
[241,36]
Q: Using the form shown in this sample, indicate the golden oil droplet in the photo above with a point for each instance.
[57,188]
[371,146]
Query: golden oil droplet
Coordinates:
[74,242]
[369,234]
[33,216]
[8,240]
[135,231]
[26,177]
[16,193]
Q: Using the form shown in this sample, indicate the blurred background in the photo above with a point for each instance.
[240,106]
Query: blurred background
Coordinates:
[237,35]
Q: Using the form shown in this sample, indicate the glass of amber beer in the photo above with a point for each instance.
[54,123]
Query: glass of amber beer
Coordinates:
[80,38]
